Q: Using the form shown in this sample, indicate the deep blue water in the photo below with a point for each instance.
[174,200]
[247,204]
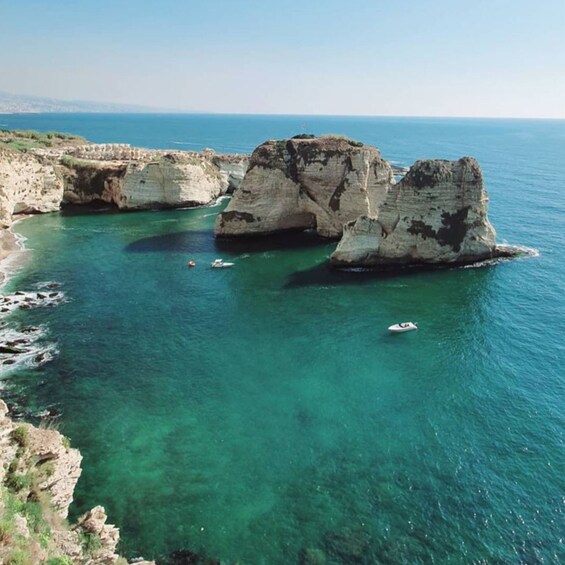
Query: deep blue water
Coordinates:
[261,410]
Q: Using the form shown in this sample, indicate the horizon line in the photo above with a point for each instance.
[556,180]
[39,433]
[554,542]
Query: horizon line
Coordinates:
[159,112]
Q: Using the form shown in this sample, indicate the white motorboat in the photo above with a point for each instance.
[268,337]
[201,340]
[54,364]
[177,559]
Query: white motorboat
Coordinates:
[220,264]
[403,327]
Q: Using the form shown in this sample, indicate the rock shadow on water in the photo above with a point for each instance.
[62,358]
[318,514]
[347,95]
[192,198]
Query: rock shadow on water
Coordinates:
[204,240]
[274,242]
[94,207]
[185,241]
[324,275]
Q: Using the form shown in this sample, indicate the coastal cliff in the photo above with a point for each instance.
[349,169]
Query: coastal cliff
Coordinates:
[41,179]
[38,474]
[137,179]
[306,182]
[436,214]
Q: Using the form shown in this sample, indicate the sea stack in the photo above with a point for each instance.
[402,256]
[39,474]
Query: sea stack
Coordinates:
[437,214]
[305,183]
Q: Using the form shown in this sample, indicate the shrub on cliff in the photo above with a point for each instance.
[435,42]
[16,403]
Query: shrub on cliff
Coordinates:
[20,436]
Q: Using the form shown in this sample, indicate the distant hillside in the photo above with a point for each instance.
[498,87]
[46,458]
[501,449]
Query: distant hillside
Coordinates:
[17,104]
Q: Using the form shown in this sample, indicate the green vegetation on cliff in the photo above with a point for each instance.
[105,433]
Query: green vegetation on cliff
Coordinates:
[26,515]
[23,141]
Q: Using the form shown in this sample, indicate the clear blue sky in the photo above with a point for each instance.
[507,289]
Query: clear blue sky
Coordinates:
[503,58]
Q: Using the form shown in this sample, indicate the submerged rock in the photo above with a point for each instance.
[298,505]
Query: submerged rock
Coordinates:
[312,556]
[349,545]
[306,183]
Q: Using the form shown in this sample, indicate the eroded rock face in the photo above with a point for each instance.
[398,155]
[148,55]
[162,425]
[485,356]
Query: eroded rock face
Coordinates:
[436,214]
[302,183]
[170,181]
[232,169]
[150,179]
[27,185]
[124,176]
[44,448]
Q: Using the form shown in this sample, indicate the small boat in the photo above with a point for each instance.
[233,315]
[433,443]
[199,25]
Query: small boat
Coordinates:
[191,264]
[220,264]
[403,327]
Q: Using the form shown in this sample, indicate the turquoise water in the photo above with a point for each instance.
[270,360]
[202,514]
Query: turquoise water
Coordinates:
[252,412]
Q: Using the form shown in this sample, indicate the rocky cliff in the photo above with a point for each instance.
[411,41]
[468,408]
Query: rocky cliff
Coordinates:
[129,178]
[27,185]
[141,179]
[306,182]
[436,214]
[38,474]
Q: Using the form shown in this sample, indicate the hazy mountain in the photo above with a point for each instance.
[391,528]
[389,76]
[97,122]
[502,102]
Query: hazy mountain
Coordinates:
[18,103]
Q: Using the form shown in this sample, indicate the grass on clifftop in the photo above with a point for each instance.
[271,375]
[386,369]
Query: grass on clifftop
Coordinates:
[25,140]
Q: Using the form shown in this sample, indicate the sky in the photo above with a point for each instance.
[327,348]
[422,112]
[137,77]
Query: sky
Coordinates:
[476,58]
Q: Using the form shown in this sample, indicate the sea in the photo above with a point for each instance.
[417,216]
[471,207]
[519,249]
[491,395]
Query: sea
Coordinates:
[263,414]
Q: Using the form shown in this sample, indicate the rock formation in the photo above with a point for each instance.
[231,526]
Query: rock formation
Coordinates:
[436,214]
[304,183]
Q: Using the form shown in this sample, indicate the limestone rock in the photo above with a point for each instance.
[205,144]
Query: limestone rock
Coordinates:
[232,169]
[87,181]
[117,174]
[27,185]
[44,456]
[304,183]
[49,446]
[132,178]
[94,522]
[169,182]
[436,214]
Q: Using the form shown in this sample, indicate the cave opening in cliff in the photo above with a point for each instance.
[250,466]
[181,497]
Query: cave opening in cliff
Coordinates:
[93,207]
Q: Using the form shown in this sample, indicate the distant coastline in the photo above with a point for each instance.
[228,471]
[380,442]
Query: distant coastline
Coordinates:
[24,104]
